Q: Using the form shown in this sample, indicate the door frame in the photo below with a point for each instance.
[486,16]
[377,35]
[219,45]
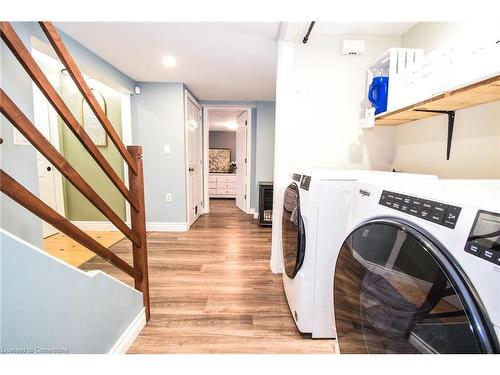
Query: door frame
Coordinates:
[248,109]
[54,141]
[189,96]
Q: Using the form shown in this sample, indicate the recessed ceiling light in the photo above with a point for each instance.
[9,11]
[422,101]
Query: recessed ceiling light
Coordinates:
[169,61]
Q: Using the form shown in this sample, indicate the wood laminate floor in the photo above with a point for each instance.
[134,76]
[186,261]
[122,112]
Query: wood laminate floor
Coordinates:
[212,290]
[71,252]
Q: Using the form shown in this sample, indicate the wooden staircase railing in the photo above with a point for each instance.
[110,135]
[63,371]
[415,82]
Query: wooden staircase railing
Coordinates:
[132,155]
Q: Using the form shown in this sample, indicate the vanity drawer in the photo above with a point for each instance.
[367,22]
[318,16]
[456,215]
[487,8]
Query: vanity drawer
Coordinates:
[231,179]
[226,185]
[212,185]
[226,191]
[212,191]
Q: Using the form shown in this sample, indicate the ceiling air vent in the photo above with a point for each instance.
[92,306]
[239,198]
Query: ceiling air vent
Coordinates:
[353,47]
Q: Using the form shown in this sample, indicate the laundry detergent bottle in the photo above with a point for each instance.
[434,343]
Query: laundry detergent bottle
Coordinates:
[377,93]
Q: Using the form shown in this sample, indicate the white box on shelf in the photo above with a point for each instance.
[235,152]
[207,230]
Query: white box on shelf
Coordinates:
[474,63]
[414,77]
[394,63]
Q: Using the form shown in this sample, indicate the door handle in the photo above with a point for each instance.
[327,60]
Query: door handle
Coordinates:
[191,169]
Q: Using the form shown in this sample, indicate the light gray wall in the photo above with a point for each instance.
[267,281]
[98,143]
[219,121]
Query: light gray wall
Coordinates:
[1,298]
[158,120]
[18,161]
[223,139]
[264,152]
[47,304]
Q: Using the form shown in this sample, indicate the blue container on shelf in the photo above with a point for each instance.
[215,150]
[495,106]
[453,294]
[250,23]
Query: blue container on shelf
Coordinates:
[377,93]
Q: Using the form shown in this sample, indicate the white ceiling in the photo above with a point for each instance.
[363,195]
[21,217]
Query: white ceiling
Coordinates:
[218,119]
[371,28]
[216,60]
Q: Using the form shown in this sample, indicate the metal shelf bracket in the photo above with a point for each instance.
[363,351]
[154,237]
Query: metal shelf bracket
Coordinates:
[451,125]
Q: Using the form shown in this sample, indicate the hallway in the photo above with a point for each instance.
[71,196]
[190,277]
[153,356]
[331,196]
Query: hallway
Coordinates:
[212,290]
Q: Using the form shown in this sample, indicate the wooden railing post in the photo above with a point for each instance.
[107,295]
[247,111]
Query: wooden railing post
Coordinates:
[138,223]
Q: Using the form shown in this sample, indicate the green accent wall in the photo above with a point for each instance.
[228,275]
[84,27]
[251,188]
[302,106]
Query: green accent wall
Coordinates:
[77,206]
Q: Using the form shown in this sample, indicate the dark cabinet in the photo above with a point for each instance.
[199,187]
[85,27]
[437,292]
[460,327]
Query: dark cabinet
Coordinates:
[265,203]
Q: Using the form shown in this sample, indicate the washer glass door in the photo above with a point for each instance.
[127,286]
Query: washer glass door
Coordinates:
[395,292]
[292,232]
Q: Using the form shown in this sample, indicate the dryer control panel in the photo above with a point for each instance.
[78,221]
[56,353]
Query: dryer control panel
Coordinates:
[484,237]
[439,213]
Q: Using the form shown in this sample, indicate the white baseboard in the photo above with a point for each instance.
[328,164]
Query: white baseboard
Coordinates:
[95,225]
[166,227]
[251,211]
[130,334]
[106,226]
[255,215]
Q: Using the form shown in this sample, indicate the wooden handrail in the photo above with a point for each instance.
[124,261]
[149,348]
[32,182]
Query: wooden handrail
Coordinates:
[36,138]
[25,198]
[22,54]
[65,57]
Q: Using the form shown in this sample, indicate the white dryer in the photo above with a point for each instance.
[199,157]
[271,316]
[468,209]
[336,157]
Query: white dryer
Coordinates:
[315,207]
[419,269]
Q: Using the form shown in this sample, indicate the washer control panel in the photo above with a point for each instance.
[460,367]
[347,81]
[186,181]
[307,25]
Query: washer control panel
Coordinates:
[296,177]
[484,237]
[439,213]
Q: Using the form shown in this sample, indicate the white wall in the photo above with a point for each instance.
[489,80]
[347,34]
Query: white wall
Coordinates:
[328,93]
[421,145]
[432,35]
[475,150]
[318,105]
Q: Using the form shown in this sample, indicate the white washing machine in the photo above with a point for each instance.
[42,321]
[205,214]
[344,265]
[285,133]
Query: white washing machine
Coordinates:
[315,207]
[419,270]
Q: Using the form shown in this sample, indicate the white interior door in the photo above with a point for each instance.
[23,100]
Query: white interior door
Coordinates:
[241,161]
[47,190]
[194,161]
[49,178]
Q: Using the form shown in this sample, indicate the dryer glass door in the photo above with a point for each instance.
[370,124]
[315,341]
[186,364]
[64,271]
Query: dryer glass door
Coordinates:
[396,292]
[292,232]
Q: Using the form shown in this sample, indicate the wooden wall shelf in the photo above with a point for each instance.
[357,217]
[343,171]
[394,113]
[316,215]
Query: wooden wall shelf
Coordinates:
[477,93]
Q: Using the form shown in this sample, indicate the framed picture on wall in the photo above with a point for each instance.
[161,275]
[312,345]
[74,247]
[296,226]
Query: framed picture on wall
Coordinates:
[219,160]
[91,123]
